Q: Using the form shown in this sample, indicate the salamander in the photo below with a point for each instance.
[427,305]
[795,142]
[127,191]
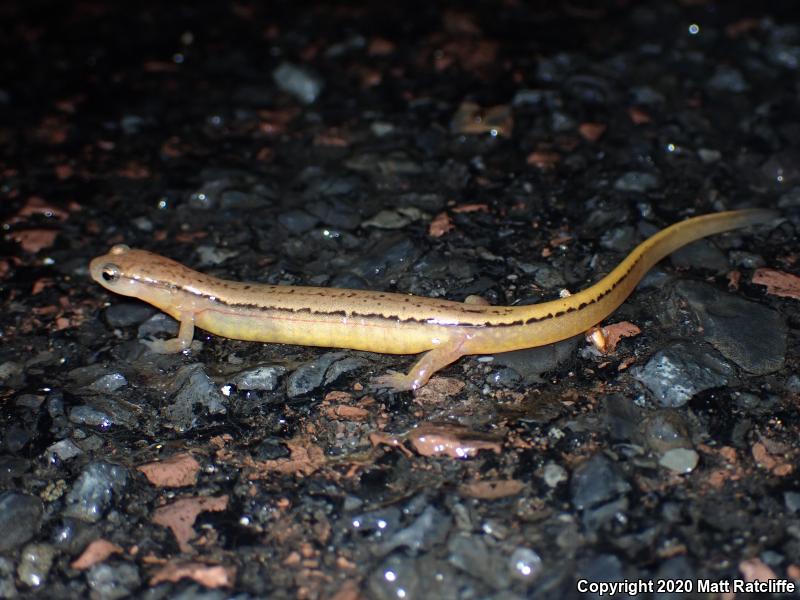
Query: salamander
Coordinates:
[385,322]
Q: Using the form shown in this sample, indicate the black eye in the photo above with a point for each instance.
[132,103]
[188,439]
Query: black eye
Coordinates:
[110,273]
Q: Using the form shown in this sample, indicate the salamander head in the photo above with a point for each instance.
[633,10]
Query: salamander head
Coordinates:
[137,273]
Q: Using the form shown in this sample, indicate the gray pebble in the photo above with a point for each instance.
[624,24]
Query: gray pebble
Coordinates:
[35,562]
[679,460]
[93,492]
[619,239]
[637,181]
[345,365]
[8,589]
[792,501]
[396,578]
[239,200]
[378,524]
[107,384]
[681,370]
[112,581]
[471,554]
[157,324]
[532,362]
[20,519]
[196,395]
[428,529]
[597,481]
[264,378]
[790,199]
[665,430]
[525,565]
[702,254]
[728,79]
[87,415]
[709,155]
[504,377]
[12,374]
[321,371]
[12,467]
[335,213]
[298,81]
[603,567]
[554,474]
[64,450]
[749,334]
[125,314]
[297,221]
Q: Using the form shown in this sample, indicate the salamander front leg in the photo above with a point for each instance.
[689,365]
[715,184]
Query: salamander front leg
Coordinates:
[421,372]
[177,344]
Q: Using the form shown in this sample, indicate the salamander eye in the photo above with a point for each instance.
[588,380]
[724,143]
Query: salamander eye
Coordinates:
[119,249]
[110,273]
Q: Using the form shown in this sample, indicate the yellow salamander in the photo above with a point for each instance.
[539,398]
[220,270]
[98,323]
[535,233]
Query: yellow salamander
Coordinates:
[385,322]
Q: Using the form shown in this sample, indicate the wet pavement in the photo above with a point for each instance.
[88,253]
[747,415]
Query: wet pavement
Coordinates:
[505,150]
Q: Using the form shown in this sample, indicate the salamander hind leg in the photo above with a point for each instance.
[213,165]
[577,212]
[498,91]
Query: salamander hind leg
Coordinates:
[421,372]
[176,344]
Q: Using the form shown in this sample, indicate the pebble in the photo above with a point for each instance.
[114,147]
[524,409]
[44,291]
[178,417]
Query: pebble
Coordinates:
[8,589]
[196,396]
[297,221]
[16,437]
[298,81]
[681,370]
[780,170]
[530,363]
[602,567]
[392,219]
[12,467]
[638,182]
[789,199]
[240,200]
[271,449]
[159,323]
[504,377]
[665,430]
[87,415]
[263,378]
[702,254]
[321,371]
[428,529]
[97,379]
[72,535]
[596,481]
[679,460]
[554,474]
[377,524]
[728,79]
[213,255]
[112,581]
[335,213]
[525,565]
[93,492]
[64,450]
[792,501]
[396,578]
[619,239]
[747,333]
[126,314]
[20,519]
[470,554]
[35,562]
[12,374]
